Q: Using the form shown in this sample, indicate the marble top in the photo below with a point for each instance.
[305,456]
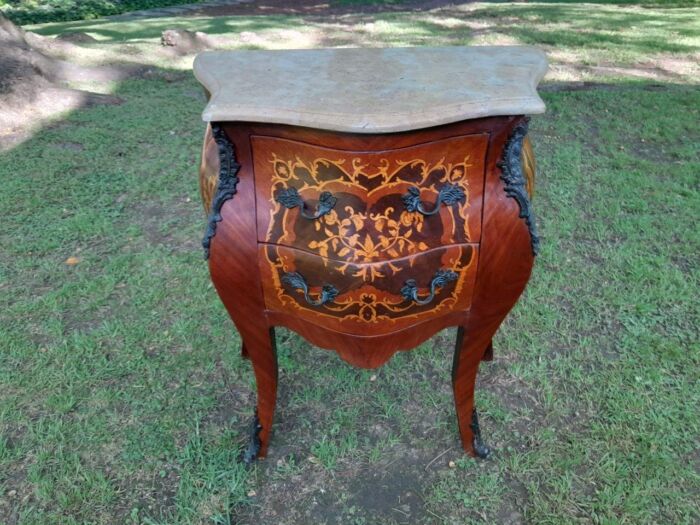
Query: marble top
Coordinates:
[371,90]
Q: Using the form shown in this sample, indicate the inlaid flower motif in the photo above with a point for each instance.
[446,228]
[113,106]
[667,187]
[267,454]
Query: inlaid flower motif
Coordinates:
[282,170]
[365,237]
[456,174]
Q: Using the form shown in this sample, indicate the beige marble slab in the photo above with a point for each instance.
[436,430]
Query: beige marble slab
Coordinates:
[371,90]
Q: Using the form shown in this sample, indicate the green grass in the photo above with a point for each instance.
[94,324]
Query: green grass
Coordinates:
[42,11]
[361,3]
[124,399]
[645,3]
[584,41]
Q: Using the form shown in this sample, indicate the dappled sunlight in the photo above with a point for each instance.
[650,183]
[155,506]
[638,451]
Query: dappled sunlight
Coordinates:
[598,42]
[584,43]
[109,31]
[19,122]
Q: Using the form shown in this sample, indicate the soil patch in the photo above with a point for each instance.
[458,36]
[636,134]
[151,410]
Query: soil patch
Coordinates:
[76,38]
[33,83]
[184,41]
[394,493]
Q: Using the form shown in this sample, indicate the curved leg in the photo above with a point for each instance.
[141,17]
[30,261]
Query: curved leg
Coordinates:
[263,354]
[508,245]
[232,250]
[470,349]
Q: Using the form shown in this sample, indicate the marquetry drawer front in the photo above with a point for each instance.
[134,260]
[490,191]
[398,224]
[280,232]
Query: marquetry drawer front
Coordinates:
[379,297]
[364,207]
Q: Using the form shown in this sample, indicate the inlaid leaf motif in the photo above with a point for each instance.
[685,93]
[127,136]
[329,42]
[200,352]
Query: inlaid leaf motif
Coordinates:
[369,244]
[358,221]
[368,235]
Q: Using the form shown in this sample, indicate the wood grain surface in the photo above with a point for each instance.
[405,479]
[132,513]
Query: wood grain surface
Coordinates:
[369,221]
[368,321]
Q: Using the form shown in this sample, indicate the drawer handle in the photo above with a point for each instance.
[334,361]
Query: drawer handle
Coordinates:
[448,194]
[410,289]
[290,198]
[296,281]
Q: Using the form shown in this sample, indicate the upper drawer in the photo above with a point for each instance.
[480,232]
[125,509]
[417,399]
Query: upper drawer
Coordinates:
[367,206]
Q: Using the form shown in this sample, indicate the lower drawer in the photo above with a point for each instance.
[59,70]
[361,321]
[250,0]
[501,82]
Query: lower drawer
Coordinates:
[368,299]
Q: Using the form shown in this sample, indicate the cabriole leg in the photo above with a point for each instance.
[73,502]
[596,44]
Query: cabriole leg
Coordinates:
[263,354]
[468,354]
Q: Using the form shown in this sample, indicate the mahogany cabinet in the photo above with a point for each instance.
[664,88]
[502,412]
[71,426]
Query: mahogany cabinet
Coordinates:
[367,199]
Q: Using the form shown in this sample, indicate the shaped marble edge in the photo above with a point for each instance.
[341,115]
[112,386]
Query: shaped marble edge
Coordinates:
[409,88]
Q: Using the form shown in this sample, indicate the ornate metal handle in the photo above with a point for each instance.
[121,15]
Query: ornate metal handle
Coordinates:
[290,198]
[410,289]
[448,194]
[296,281]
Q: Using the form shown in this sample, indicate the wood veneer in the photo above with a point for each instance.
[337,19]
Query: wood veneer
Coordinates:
[487,239]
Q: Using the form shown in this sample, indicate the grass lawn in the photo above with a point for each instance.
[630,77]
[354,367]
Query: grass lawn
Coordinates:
[123,397]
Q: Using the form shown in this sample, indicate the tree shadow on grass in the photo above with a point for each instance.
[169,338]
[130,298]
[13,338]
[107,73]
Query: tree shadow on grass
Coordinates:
[583,27]
[141,30]
[574,27]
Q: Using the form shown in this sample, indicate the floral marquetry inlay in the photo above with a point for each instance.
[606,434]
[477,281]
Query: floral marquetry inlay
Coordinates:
[369,221]
[367,294]
[384,172]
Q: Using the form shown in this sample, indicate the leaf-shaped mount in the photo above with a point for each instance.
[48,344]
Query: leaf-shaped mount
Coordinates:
[515,183]
[409,290]
[480,449]
[250,454]
[226,186]
[297,281]
[290,198]
[448,194]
